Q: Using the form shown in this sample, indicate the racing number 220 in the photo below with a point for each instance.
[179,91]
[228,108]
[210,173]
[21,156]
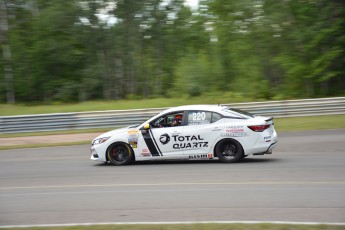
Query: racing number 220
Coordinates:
[199,116]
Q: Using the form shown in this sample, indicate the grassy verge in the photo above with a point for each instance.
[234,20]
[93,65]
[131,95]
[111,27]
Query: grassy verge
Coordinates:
[309,123]
[195,227]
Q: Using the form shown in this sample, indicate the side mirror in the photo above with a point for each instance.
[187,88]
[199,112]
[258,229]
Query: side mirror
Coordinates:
[146,126]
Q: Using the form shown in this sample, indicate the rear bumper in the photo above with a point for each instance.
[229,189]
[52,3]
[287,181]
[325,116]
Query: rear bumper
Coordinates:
[269,150]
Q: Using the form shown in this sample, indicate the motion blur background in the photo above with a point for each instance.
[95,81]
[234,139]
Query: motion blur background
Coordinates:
[61,57]
[79,50]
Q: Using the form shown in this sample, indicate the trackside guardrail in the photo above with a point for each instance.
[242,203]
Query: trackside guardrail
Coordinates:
[120,118]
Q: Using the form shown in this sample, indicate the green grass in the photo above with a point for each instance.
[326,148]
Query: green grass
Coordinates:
[195,227]
[309,123]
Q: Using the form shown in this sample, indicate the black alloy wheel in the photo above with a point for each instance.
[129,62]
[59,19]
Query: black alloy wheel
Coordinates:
[120,154]
[229,151]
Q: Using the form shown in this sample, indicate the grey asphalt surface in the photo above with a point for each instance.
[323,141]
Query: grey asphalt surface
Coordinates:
[303,181]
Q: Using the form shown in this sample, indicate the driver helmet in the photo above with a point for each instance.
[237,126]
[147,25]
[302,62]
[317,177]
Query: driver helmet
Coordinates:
[178,117]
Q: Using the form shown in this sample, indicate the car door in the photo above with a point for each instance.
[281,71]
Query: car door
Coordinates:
[202,129]
[159,138]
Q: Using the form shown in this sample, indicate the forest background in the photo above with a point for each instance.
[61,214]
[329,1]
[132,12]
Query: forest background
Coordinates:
[58,51]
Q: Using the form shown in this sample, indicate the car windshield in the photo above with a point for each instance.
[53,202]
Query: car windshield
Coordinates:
[238,111]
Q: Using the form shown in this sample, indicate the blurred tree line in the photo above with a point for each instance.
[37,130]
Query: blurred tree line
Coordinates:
[57,50]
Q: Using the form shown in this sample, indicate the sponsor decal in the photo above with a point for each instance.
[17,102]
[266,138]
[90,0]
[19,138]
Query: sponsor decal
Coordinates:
[145,153]
[133,136]
[198,122]
[190,145]
[234,127]
[187,138]
[132,139]
[234,131]
[133,132]
[164,139]
[210,155]
[234,134]
[134,144]
[198,156]
[194,141]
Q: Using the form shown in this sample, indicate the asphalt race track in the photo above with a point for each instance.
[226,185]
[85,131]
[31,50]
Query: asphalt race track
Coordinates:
[302,181]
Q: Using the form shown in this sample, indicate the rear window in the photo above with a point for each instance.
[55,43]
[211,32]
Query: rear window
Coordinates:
[236,112]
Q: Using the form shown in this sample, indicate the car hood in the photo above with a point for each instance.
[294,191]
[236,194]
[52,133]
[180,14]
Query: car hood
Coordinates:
[115,131]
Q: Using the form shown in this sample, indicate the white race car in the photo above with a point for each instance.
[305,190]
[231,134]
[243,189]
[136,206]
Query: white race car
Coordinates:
[189,132]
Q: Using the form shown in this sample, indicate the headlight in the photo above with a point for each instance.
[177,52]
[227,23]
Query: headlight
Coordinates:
[100,140]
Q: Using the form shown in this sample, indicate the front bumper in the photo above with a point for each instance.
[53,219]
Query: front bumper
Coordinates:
[98,152]
[94,154]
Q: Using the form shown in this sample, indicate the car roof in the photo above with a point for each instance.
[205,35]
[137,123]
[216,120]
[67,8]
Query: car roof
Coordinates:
[213,108]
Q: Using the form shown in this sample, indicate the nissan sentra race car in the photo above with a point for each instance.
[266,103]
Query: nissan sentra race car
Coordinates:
[189,132]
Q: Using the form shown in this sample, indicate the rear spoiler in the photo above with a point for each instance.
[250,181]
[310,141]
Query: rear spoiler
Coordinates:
[269,119]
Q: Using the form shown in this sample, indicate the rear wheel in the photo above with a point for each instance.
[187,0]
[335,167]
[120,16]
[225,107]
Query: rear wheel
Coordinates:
[120,154]
[229,151]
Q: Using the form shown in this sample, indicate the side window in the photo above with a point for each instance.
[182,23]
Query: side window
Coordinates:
[216,117]
[169,120]
[199,117]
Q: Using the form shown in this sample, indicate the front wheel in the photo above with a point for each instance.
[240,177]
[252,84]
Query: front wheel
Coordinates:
[120,154]
[229,151]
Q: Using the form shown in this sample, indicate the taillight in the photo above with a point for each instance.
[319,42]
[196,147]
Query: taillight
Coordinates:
[258,128]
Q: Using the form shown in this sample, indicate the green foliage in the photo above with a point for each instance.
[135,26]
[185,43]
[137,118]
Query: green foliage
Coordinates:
[197,74]
[69,51]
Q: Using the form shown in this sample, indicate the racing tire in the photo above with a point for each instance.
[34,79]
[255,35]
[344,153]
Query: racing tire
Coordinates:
[120,154]
[229,151]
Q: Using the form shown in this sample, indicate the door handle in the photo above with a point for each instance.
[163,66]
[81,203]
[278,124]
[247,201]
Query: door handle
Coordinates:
[176,132]
[216,129]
